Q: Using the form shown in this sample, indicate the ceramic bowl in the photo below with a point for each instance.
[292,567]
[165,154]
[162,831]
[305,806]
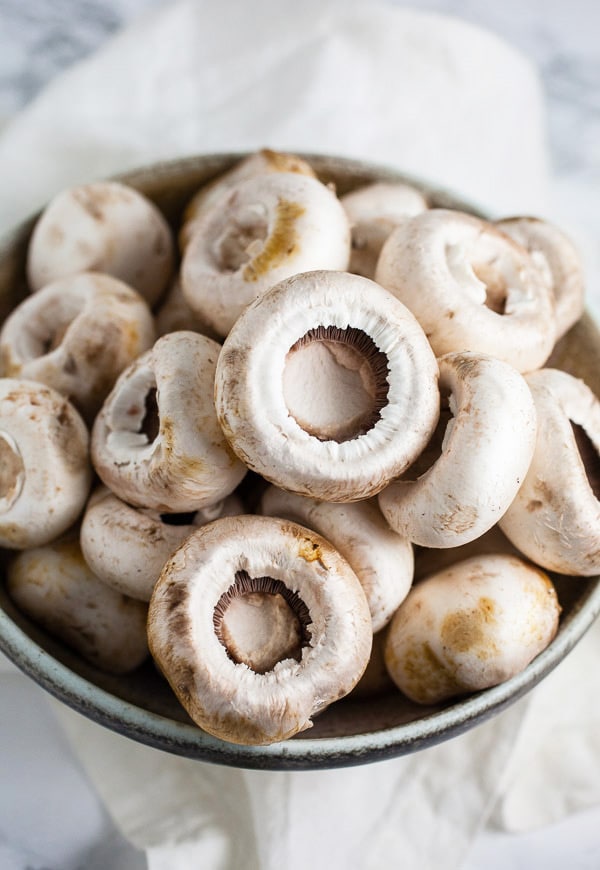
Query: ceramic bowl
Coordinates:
[355,730]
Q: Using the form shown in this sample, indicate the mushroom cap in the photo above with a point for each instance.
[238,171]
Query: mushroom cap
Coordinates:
[471,287]
[173,457]
[45,472]
[54,586]
[258,379]
[469,627]
[76,335]
[228,698]
[555,517]
[266,229]
[106,227]
[486,451]
[381,559]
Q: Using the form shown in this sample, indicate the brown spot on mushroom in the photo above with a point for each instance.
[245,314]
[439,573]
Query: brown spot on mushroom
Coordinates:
[467,630]
[425,678]
[534,505]
[281,242]
[458,519]
[12,471]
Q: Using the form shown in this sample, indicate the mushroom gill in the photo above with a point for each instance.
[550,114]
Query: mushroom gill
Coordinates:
[590,457]
[12,472]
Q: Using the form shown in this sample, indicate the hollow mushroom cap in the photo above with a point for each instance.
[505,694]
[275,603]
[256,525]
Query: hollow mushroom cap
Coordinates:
[560,256]
[470,627]
[55,588]
[266,229]
[103,227]
[156,443]
[373,212]
[326,386]
[471,287]
[127,547]
[45,472]
[486,450]
[76,335]
[261,162]
[210,575]
[555,517]
[381,559]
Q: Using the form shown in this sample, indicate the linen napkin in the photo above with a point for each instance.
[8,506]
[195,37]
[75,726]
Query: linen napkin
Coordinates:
[432,96]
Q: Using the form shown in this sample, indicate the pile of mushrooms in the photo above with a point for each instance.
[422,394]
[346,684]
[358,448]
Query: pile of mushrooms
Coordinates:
[324,442]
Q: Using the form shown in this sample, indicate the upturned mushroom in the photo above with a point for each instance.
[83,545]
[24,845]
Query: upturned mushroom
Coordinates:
[156,443]
[327,386]
[77,335]
[471,287]
[55,588]
[555,517]
[381,559]
[127,547]
[102,227]
[266,229]
[479,456]
[45,471]
[472,626]
[258,624]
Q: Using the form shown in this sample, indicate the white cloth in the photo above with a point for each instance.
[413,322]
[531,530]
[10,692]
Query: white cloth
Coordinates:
[432,96]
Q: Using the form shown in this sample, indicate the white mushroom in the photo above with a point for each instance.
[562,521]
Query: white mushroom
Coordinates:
[156,442]
[470,627]
[54,587]
[327,386]
[45,472]
[127,547]
[381,559]
[258,624]
[265,230]
[471,287]
[102,227]
[558,253]
[555,518]
[487,436]
[77,335]
[373,212]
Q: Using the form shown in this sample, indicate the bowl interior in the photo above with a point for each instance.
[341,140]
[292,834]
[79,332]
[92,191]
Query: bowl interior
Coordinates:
[352,731]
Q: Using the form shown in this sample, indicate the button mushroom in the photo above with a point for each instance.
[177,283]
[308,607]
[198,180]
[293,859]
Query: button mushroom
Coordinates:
[258,624]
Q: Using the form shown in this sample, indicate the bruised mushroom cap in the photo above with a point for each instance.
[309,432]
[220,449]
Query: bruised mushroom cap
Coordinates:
[156,442]
[470,627]
[245,588]
[373,212]
[260,163]
[326,386]
[555,518]
[471,287]
[381,559]
[103,227]
[486,450]
[76,335]
[559,254]
[127,547]
[54,587]
[45,471]
[265,230]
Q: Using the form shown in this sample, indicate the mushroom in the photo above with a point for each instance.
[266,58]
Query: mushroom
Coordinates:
[327,387]
[558,254]
[76,335]
[555,517]
[127,547]
[472,626]
[174,314]
[258,624]
[487,441]
[373,212]
[156,443]
[103,227]
[471,287]
[265,230]
[54,587]
[261,162]
[381,559]
[45,472]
